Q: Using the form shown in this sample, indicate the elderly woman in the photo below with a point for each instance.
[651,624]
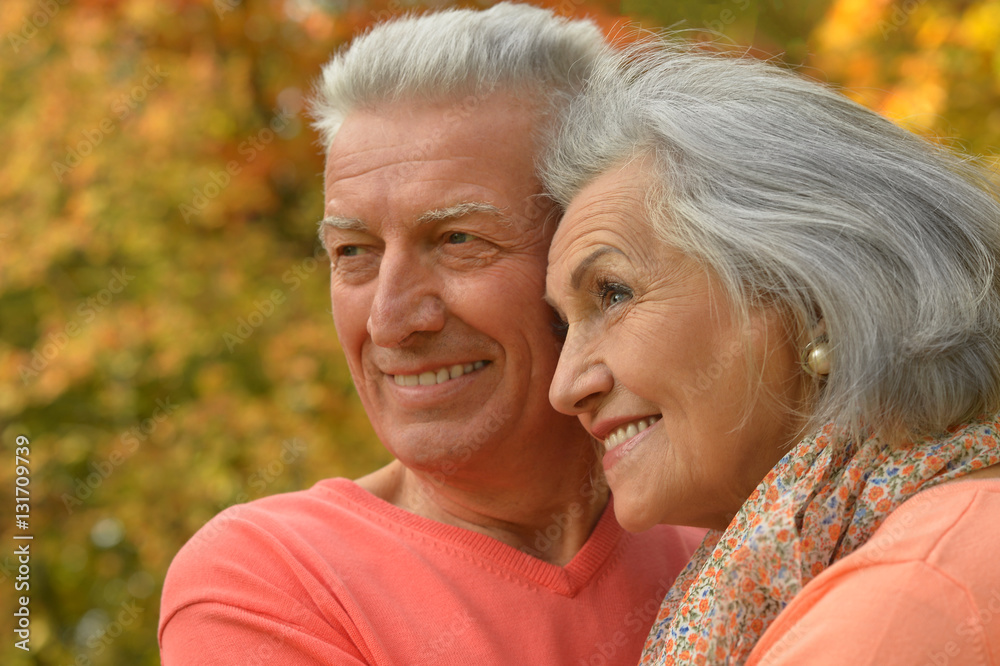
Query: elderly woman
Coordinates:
[782,320]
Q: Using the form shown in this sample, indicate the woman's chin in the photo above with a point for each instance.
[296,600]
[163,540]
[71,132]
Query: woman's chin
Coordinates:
[633,516]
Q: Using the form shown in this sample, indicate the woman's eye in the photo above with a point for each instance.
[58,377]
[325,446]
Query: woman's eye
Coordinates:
[559,326]
[458,238]
[612,294]
[351,250]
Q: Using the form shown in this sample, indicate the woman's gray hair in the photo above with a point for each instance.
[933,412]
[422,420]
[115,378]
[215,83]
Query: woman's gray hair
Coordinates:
[799,198]
[452,53]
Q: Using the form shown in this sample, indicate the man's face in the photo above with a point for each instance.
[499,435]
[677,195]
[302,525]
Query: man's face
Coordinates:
[438,253]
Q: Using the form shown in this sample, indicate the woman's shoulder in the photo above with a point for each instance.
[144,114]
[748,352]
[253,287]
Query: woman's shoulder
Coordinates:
[948,530]
[925,586]
[948,526]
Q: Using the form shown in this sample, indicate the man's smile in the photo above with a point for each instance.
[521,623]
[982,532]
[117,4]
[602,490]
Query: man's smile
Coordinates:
[438,376]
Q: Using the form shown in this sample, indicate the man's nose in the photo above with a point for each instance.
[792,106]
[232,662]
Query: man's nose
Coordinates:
[407,300]
[581,380]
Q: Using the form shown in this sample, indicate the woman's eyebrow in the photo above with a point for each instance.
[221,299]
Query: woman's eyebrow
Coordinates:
[582,267]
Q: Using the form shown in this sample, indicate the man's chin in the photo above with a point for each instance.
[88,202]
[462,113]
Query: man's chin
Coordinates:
[443,440]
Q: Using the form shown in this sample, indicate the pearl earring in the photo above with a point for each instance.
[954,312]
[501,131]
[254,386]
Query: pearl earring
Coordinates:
[816,357]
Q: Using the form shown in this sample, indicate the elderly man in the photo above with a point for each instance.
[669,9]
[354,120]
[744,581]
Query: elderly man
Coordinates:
[487,540]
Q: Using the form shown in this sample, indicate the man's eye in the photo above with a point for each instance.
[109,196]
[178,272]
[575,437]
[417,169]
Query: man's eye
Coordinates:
[458,238]
[351,250]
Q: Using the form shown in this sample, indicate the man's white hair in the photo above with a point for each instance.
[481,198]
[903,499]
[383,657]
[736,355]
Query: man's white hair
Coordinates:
[448,54]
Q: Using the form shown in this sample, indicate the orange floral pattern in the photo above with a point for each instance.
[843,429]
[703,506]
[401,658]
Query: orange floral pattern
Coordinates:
[820,503]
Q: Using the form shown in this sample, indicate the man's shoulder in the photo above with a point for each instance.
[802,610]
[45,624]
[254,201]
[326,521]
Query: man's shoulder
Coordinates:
[269,557]
[287,523]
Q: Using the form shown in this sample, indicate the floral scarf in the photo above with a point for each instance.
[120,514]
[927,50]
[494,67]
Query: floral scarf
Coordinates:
[821,502]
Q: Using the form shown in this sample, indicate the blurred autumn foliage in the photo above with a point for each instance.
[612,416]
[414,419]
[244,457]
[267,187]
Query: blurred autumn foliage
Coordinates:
[165,339]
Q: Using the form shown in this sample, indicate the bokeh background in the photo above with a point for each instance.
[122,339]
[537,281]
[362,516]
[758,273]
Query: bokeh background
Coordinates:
[165,333]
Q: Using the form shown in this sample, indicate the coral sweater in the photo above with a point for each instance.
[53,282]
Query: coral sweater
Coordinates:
[334,575]
[923,591]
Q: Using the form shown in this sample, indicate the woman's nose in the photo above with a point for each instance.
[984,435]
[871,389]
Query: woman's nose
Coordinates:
[581,377]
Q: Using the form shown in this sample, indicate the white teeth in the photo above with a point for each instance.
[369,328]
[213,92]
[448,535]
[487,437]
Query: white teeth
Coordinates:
[628,431]
[430,378]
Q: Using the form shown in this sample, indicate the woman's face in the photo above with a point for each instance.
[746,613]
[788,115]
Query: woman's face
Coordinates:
[693,407]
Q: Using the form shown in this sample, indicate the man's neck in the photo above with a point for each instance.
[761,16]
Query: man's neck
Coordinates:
[549,516]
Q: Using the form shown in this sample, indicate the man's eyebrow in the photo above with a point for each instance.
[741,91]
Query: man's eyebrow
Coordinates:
[346,223]
[459,210]
[446,213]
[338,222]
[582,267]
